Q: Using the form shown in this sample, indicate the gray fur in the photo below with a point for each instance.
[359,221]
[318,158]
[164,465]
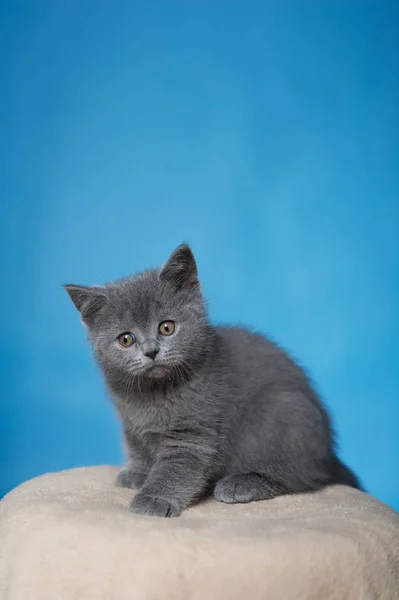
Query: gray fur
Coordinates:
[218,409]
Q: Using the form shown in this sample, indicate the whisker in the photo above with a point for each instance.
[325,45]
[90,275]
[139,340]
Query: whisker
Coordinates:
[190,370]
[180,373]
[138,382]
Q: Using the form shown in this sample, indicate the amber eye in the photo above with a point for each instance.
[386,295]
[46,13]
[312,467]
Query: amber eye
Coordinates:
[166,328]
[126,339]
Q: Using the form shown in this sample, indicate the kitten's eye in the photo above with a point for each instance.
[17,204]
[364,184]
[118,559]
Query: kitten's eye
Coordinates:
[167,327]
[126,339]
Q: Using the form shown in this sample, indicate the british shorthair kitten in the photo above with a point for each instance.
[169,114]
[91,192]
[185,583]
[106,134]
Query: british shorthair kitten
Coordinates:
[204,409]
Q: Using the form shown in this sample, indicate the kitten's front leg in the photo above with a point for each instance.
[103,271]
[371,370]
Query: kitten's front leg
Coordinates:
[176,480]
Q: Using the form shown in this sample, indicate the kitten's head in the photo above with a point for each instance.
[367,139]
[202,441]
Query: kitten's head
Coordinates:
[151,326]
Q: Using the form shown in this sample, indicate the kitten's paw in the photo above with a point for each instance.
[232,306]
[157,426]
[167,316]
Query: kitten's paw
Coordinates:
[127,478]
[153,506]
[242,488]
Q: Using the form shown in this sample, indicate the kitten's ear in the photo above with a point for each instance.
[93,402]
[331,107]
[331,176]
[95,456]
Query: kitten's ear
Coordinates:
[88,300]
[181,269]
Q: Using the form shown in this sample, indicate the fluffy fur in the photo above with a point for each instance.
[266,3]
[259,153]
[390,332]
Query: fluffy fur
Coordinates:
[207,409]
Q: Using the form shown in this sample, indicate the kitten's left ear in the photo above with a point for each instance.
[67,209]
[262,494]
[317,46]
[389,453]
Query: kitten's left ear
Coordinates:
[88,300]
[181,269]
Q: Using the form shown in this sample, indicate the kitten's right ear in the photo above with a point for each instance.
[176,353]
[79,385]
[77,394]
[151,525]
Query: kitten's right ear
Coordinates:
[88,300]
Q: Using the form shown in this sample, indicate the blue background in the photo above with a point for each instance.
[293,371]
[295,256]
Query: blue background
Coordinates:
[265,135]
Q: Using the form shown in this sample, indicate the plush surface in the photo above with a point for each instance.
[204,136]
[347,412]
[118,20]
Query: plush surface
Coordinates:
[69,535]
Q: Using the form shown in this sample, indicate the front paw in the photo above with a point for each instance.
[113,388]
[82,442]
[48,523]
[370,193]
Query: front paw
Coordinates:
[127,478]
[153,506]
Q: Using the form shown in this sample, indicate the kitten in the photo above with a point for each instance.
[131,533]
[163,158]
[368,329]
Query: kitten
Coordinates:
[204,409]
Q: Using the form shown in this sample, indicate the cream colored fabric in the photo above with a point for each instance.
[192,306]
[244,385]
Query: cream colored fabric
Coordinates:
[69,536]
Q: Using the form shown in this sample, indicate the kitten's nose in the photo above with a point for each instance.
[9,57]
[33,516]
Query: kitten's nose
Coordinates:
[150,350]
[151,353]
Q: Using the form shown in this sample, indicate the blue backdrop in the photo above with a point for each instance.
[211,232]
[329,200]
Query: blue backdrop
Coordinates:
[266,136]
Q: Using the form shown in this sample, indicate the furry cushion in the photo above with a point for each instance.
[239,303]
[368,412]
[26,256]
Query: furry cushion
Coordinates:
[69,535]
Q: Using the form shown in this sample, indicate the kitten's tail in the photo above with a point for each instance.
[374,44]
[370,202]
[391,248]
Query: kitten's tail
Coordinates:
[343,475]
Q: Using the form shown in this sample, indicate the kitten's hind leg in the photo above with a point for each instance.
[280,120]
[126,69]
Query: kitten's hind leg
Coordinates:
[246,487]
[134,472]
[129,478]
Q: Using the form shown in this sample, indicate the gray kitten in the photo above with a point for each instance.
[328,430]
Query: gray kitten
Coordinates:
[204,409]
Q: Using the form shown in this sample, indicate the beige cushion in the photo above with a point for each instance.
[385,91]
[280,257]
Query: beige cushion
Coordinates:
[69,535]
